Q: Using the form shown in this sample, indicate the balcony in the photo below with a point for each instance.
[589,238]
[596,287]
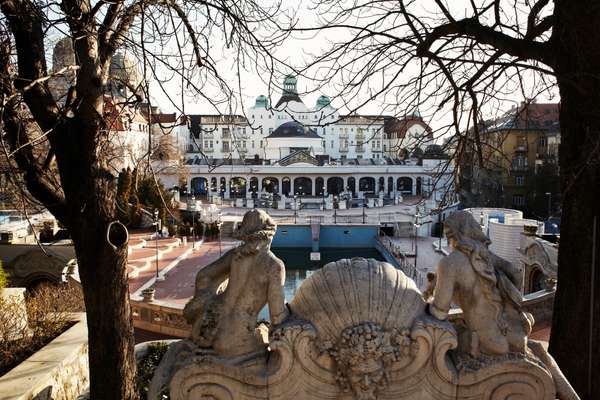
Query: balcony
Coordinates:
[344,136]
[360,149]
[520,148]
[208,149]
[225,149]
[519,167]
[343,149]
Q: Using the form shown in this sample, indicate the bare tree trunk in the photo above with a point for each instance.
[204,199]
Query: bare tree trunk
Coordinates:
[112,363]
[575,336]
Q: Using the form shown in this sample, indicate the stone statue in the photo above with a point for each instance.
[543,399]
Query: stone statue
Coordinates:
[484,286]
[358,329]
[231,291]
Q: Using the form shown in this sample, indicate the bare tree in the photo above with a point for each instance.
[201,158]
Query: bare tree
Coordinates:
[59,146]
[467,60]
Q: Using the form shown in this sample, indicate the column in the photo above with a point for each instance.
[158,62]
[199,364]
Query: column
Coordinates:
[227,188]
[414,185]
[313,183]
[385,185]
[260,184]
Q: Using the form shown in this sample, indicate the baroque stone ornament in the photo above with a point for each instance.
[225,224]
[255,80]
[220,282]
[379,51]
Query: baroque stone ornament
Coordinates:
[357,329]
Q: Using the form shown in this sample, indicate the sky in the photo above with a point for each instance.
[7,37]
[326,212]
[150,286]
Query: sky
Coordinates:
[251,80]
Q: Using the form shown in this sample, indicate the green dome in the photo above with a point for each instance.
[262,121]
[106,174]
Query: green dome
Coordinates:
[323,101]
[261,102]
[289,84]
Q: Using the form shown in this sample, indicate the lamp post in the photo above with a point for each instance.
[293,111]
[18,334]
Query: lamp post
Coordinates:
[156,238]
[219,223]
[295,208]
[335,206]
[364,206]
[323,193]
[441,228]
[417,225]
[549,204]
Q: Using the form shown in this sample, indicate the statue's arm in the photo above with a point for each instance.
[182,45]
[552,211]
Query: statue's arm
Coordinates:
[509,270]
[276,295]
[215,271]
[444,289]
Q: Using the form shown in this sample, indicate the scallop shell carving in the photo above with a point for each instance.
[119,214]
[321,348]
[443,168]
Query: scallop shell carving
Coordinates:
[350,292]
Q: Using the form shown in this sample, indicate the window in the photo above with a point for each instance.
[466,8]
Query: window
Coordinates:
[324,132]
[244,144]
[332,144]
[518,200]
[225,133]
[520,180]
[543,141]
[270,130]
[253,144]
[261,144]
[225,147]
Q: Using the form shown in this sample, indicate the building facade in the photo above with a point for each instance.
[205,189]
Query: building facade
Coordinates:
[520,162]
[291,150]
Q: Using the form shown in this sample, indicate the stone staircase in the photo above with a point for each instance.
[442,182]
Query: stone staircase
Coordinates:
[228,228]
[142,252]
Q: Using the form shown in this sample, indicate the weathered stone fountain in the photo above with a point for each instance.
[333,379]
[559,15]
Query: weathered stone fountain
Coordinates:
[358,329]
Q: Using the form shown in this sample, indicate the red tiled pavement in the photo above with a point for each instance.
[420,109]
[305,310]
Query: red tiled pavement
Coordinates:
[179,285]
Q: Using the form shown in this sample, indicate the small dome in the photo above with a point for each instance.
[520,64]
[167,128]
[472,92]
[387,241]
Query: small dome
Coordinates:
[323,101]
[261,102]
[416,114]
[289,84]
[293,129]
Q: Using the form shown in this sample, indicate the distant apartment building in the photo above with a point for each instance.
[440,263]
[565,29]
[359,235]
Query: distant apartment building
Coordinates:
[519,162]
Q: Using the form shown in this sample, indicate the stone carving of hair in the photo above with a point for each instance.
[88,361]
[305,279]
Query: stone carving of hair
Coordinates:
[471,241]
[256,225]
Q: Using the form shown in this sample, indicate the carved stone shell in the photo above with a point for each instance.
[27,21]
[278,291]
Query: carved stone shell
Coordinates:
[349,292]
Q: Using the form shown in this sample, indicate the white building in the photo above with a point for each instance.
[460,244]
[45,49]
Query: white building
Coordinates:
[290,149]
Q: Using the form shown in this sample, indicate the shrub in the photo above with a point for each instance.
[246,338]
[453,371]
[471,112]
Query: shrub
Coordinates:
[146,367]
[3,278]
[48,315]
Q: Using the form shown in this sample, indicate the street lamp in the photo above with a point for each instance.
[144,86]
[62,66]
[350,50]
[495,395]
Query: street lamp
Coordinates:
[417,225]
[156,238]
[364,206]
[323,193]
[335,206]
[549,204]
[295,208]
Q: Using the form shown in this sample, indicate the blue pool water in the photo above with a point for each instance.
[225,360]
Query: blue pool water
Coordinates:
[298,265]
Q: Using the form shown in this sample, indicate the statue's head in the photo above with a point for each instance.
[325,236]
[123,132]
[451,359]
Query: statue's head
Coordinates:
[256,225]
[360,354]
[461,227]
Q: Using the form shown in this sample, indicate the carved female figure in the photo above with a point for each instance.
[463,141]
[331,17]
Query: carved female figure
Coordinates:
[231,291]
[484,286]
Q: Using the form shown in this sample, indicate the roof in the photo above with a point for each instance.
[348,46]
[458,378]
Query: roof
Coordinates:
[164,118]
[293,129]
[528,116]
[299,156]
[287,97]
[401,126]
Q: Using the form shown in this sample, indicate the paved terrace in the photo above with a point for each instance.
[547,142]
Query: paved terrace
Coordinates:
[177,265]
